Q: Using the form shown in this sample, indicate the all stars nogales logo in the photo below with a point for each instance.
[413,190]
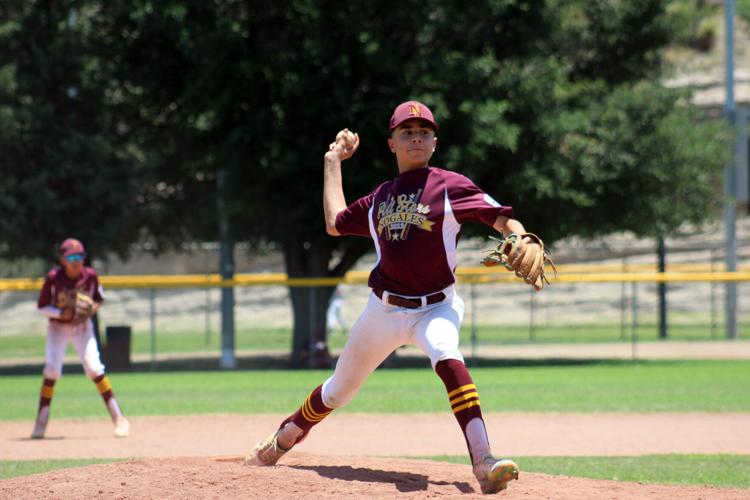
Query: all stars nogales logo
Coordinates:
[398,214]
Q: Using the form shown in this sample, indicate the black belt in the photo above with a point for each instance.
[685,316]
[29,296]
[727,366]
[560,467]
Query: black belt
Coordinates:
[397,300]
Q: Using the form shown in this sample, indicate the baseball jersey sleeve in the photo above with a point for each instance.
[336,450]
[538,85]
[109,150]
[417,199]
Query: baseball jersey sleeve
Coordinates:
[353,220]
[98,295]
[45,294]
[469,203]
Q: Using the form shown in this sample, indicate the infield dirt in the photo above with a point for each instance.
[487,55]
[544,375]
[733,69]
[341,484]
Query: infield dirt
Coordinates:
[347,456]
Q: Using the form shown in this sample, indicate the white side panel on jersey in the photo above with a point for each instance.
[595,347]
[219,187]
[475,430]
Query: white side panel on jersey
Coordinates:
[373,235]
[451,227]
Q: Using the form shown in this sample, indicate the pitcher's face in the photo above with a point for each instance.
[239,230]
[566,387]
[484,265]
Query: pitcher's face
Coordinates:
[413,143]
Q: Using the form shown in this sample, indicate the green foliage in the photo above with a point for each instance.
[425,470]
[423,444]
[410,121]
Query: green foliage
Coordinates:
[640,142]
[716,470]
[64,168]
[119,118]
[541,103]
[691,386]
[695,22]
[133,108]
[743,10]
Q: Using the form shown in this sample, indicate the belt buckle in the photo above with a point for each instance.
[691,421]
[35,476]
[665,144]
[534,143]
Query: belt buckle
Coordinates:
[409,302]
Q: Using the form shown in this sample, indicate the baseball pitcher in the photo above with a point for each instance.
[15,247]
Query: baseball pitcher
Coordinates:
[414,222]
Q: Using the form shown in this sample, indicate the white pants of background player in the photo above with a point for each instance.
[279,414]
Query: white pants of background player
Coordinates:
[381,329]
[82,338]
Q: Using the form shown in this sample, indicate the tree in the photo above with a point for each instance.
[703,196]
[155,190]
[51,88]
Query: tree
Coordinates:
[554,107]
[64,166]
[550,105]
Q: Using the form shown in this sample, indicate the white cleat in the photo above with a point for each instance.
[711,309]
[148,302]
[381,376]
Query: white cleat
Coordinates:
[266,452]
[122,427]
[494,475]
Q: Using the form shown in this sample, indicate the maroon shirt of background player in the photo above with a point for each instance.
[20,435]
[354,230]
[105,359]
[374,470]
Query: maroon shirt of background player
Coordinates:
[59,290]
[414,221]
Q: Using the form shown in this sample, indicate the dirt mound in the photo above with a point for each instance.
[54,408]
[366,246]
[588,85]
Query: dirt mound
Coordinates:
[313,476]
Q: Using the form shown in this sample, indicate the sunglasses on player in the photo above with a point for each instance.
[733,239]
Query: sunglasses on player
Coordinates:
[76,257]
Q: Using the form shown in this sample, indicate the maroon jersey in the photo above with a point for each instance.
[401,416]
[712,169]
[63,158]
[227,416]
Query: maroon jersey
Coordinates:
[414,221]
[60,291]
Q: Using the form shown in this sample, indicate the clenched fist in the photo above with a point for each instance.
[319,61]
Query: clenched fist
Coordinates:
[344,146]
[346,138]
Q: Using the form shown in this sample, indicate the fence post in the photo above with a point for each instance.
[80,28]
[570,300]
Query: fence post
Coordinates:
[623,302]
[311,328]
[634,319]
[712,284]
[207,310]
[532,307]
[207,319]
[472,318]
[152,316]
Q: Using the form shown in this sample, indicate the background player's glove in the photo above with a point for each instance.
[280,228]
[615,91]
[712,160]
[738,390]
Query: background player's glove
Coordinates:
[84,308]
[527,260]
[67,313]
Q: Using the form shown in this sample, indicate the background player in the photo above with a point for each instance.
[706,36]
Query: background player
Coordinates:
[414,222]
[70,296]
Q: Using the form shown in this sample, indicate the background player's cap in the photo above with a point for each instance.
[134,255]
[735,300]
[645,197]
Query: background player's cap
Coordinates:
[71,246]
[408,110]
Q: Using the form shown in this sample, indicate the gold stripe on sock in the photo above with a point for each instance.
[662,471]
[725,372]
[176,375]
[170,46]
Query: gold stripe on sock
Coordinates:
[465,406]
[103,385]
[310,414]
[312,411]
[464,397]
[461,389]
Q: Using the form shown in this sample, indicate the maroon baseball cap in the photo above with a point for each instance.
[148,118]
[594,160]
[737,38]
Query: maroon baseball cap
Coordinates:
[408,110]
[71,246]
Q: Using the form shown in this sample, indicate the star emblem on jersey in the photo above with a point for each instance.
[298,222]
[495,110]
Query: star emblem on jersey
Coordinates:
[399,213]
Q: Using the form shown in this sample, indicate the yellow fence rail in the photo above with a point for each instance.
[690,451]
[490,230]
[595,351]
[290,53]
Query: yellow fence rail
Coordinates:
[567,274]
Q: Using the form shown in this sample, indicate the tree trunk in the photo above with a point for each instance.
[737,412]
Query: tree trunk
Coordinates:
[309,304]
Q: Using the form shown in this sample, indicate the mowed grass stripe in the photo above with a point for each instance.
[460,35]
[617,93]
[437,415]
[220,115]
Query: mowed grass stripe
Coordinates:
[689,386]
[714,470]
[17,468]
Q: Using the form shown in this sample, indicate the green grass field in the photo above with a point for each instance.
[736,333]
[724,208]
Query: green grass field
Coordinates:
[714,386]
[689,386]
[279,339]
[716,470]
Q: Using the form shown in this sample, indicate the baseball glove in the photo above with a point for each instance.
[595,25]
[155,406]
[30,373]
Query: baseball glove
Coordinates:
[84,308]
[529,264]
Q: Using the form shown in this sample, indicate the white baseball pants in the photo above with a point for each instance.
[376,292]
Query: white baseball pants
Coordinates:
[82,338]
[381,329]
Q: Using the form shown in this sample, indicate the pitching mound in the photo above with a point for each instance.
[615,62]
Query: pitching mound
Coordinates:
[313,476]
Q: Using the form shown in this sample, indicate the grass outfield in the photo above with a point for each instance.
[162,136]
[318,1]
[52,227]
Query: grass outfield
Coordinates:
[16,468]
[32,346]
[716,470]
[664,386]
[685,386]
